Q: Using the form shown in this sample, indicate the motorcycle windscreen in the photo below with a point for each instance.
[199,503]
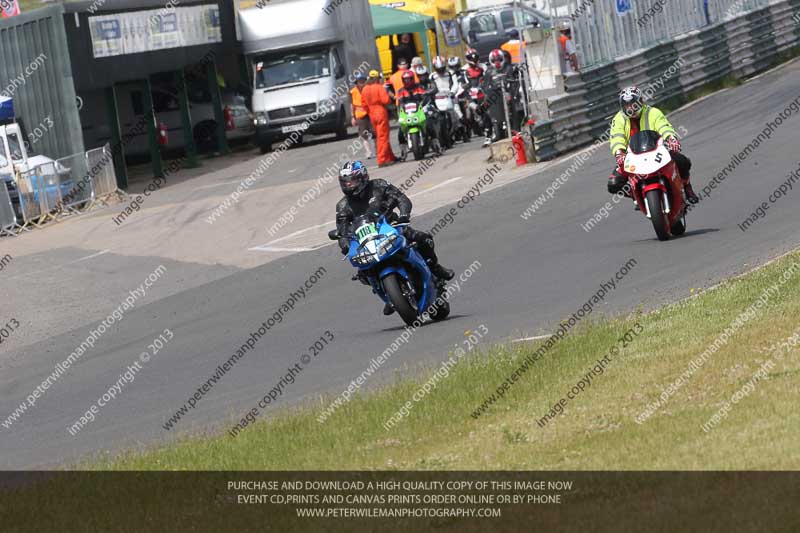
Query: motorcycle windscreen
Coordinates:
[643,141]
[649,162]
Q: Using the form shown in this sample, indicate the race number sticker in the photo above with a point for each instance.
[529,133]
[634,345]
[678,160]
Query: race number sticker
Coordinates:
[366,231]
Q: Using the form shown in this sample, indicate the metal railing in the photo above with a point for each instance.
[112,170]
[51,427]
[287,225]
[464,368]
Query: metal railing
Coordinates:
[737,47]
[67,186]
[8,219]
[603,35]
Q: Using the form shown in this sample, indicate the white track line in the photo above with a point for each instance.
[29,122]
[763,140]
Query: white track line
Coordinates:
[442,184]
[215,185]
[536,338]
[265,247]
[61,266]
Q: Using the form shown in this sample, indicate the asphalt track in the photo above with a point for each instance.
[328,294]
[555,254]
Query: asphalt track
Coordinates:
[533,273]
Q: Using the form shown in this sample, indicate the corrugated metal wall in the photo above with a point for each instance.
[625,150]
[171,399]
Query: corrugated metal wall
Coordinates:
[35,70]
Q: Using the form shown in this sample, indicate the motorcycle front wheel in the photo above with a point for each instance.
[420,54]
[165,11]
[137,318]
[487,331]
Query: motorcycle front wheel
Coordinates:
[393,285]
[657,215]
[416,146]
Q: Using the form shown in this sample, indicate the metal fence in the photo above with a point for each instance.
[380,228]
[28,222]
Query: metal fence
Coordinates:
[735,47]
[603,35]
[8,218]
[67,186]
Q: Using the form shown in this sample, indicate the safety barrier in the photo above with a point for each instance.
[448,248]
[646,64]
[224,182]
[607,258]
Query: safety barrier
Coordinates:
[70,185]
[737,47]
[606,29]
[8,219]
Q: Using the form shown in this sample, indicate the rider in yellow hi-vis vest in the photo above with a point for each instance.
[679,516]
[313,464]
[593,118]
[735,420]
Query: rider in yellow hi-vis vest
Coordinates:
[635,116]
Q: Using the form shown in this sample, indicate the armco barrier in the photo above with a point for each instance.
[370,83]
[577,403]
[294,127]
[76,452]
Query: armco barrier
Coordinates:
[70,185]
[737,47]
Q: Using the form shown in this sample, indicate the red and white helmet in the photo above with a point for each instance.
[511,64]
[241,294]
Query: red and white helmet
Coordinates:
[439,64]
[408,79]
[472,57]
[497,58]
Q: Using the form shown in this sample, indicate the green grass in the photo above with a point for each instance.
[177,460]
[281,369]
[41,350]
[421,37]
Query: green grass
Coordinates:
[597,429]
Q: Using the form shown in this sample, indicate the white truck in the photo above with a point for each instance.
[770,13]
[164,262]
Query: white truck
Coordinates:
[303,55]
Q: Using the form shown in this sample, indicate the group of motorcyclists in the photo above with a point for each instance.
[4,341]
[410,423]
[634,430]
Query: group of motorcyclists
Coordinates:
[487,98]
[473,99]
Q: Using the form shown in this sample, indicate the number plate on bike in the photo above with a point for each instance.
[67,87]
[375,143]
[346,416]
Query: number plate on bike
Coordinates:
[411,108]
[366,231]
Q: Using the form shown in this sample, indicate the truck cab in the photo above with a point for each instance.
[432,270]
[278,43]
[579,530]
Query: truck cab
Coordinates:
[291,87]
[303,55]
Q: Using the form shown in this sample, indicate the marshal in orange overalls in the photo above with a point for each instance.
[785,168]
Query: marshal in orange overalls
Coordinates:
[375,97]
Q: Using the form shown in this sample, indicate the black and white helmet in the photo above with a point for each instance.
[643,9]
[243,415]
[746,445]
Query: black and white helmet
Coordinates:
[453,63]
[630,101]
[439,64]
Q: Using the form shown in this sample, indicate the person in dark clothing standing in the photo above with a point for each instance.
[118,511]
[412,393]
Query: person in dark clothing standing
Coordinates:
[404,50]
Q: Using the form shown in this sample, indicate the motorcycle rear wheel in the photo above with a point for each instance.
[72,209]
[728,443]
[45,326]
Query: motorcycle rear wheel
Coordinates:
[679,227]
[439,312]
[657,215]
[393,284]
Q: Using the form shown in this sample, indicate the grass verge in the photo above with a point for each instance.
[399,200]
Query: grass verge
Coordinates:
[597,429]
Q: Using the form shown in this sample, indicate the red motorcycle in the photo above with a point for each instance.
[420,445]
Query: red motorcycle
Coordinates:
[655,184]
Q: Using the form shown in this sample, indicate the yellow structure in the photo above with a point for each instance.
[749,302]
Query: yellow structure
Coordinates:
[446,41]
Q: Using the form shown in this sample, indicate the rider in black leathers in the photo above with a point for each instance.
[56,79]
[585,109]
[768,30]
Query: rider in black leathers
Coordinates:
[502,72]
[362,195]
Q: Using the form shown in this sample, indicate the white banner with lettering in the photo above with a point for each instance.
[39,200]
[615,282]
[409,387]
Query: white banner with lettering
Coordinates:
[154,29]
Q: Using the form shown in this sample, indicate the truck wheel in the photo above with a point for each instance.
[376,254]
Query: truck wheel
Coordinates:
[265,147]
[341,129]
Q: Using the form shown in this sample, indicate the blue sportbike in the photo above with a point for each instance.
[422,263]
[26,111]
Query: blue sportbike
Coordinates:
[394,269]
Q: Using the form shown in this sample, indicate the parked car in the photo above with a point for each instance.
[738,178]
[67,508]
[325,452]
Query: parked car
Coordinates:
[238,119]
[131,108]
[487,28]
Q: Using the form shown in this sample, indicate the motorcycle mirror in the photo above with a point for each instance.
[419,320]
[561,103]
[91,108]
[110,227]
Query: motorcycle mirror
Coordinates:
[333,235]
